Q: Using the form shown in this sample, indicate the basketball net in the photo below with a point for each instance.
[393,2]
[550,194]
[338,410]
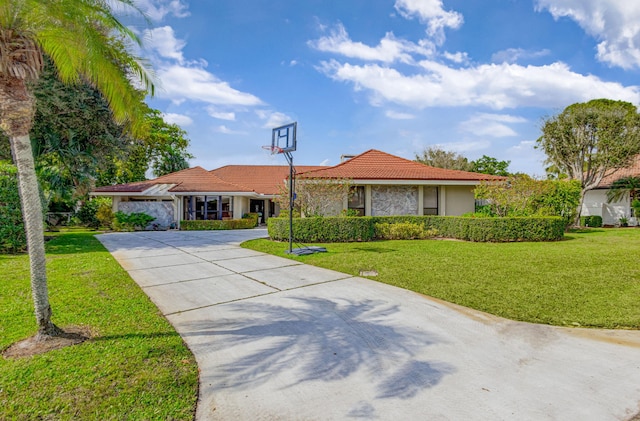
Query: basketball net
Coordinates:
[272,150]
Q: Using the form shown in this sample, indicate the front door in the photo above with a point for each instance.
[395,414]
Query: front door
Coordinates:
[257,206]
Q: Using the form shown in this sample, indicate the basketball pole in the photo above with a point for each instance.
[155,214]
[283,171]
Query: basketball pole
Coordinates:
[290,160]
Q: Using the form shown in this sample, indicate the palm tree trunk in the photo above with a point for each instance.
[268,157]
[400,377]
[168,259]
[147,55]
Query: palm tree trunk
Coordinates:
[33,223]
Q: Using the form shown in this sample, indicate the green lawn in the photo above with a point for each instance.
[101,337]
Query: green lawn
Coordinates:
[591,279]
[135,367]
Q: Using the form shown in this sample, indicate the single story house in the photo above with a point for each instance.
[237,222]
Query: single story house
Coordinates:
[382,184]
[596,203]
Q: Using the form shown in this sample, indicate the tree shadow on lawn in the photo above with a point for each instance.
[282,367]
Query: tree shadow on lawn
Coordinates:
[317,339]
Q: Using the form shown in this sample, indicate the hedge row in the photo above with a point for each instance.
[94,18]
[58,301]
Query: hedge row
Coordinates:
[230,224]
[594,221]
[341,229]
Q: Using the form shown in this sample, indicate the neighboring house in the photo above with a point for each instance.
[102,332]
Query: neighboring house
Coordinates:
[596,203]
[382,184]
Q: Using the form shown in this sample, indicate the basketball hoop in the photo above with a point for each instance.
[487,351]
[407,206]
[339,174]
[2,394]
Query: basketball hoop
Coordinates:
[273,149]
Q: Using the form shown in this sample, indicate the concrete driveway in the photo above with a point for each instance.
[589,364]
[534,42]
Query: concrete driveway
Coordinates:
[279,340]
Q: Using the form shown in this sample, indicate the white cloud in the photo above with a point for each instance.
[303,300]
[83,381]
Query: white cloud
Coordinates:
[221,115]
[613,22]
[494,125]
[399,116]
[163,41]
[193,82]
[459,57]
[156,10]
[513,55]
[273,118]
[179,119]
[433,14]
[497,86]
[464,146]
[389,49]
[225,130]
[325,162]
[182,80]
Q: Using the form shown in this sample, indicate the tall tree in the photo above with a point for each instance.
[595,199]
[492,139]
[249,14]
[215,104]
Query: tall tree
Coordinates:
[587,141]
[439,158]
[80,38]
[489,165]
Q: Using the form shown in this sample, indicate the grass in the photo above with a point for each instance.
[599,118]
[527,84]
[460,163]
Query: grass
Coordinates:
[591,279]
[135,367]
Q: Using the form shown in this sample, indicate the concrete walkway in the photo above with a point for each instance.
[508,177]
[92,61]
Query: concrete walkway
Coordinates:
[279,340]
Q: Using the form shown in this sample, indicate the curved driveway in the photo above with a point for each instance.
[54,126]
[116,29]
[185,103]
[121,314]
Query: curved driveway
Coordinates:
[279,340]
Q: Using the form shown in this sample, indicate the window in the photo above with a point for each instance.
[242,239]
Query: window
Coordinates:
[430,201]
[356,199]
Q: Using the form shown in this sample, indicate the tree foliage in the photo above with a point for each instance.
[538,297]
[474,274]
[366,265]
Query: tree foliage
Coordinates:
[439,158]
[489,165]
[12,237]
[77,144]
[163,148]
[589,140]
[316,196]
[624,187]
[522,195]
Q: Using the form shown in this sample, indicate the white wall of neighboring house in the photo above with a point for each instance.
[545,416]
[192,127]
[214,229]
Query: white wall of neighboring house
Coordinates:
[596,204]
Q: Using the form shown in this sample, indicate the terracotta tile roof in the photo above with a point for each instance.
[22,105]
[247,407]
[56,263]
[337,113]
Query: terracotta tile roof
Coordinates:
[263,179]
[195,179]
[632,170]
[377,165]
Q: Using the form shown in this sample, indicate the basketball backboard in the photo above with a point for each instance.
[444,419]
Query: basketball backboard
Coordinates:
[283,138]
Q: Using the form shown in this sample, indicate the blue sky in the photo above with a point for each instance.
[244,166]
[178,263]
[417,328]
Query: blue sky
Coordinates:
[474,77]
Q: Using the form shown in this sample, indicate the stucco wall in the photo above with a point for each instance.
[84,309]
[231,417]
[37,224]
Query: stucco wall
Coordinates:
[459,200]
[595,203]
[394,200]
[162,211]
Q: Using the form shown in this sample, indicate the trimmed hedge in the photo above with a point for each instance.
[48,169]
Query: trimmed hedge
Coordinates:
[12,235]
[341,229]
[594,221]
[230,224]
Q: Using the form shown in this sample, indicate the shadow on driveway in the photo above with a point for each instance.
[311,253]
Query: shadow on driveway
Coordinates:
[319,339]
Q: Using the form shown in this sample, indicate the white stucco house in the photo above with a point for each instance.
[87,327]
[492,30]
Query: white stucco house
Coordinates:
[383,184]
[596,203]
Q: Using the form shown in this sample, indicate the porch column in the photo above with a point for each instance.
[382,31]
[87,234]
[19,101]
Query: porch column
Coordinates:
[205,208]
[219,207]
[367,200]
[420,200]
[192,208]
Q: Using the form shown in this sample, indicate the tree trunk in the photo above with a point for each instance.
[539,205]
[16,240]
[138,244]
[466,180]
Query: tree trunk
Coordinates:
[16,119]
[576,221]
[33,217]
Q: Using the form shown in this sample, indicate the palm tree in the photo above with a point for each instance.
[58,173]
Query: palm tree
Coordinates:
[85,42]
[622,188]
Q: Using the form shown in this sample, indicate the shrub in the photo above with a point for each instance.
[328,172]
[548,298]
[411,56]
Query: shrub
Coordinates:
[403,231]
[594,221]
[336,229]
[131,221]
[250,221]
[87,215]
[635,205]
[105,214]
[12,234]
